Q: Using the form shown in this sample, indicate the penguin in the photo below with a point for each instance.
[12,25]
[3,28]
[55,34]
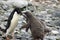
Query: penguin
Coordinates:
[36,26]
[12,21]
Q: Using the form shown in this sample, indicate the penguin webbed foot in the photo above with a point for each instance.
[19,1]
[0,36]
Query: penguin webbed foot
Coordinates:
[7,36]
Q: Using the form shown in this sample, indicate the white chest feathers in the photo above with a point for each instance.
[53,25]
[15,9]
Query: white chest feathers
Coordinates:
[14,23]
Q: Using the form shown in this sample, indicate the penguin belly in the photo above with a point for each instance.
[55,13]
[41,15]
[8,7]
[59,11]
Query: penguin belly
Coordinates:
[13,24]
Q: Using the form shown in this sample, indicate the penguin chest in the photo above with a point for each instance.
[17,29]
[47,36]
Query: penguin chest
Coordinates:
[14,20]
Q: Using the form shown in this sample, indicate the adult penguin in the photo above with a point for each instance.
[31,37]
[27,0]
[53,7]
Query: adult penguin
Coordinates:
[12,19]
[12,22]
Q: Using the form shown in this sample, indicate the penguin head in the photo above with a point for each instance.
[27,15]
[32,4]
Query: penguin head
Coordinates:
[18,10]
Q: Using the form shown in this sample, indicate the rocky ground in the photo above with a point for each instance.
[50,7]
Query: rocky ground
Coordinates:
[49,11]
